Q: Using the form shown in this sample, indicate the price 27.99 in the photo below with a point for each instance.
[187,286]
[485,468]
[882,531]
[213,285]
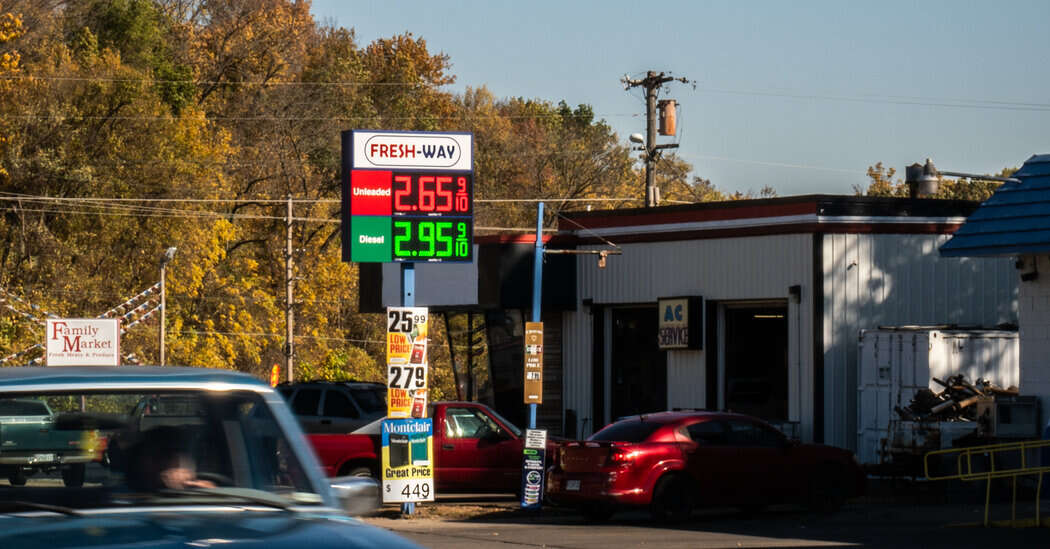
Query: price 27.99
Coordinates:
[406,377]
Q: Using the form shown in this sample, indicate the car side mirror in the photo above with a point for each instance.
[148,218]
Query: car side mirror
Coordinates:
[356,495]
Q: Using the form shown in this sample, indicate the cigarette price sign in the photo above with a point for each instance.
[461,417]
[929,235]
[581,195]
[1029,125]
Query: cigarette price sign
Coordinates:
[407,197]
[406,362]
[533,363]
[408,470]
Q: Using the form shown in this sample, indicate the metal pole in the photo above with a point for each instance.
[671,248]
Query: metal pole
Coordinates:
[408,299]
[650,139]
[289,314]
[537,288]
[163,308]
[470,357]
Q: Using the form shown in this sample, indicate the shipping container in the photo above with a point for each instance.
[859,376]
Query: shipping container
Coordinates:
[895,363]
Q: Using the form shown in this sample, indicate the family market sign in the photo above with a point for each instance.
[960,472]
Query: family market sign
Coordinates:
[83,342]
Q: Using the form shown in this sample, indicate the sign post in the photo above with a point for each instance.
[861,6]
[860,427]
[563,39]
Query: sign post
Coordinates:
[407,197]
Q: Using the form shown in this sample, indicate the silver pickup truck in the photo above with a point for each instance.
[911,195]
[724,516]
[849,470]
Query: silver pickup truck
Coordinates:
[31,442]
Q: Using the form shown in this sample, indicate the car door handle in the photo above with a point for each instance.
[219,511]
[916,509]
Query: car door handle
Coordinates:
[326,422]
[447,447]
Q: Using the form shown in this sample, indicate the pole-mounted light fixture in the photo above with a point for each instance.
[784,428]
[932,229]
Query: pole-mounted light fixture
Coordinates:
[165,258]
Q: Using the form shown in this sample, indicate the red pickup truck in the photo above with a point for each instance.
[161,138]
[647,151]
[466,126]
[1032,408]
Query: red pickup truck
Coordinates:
[476,449]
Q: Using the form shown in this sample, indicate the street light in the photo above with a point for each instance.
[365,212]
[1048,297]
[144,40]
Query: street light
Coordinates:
[923,179]
[165,258]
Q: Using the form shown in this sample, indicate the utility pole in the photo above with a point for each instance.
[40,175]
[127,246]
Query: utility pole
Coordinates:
[289,314]
[652,83]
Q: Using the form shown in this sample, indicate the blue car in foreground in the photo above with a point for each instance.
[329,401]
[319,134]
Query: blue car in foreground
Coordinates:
[172,457]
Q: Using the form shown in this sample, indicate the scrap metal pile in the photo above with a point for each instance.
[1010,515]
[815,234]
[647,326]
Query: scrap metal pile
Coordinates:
[956,402]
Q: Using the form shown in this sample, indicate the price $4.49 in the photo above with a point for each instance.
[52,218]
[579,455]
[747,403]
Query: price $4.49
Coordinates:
[406,491]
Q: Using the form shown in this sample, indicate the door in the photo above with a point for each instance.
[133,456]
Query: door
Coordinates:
[638,367]
[476,453]
[756,361]
[706,458]
[759,470]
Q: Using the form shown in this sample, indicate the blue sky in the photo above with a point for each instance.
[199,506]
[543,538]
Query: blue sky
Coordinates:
[802,96]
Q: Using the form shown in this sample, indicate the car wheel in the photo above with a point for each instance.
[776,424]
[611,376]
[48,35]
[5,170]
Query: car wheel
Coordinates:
[17,478]
[360,471]
[672,499]
[73,476]
[827,488]
[598,512]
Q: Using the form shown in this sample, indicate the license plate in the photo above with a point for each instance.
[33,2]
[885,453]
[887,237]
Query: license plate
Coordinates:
[42,458]
[572,486]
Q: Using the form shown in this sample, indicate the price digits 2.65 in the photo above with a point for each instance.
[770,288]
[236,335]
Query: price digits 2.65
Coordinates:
[426,194]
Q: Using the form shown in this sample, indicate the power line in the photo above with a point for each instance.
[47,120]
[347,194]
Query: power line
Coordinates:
[780,164]
[456,118]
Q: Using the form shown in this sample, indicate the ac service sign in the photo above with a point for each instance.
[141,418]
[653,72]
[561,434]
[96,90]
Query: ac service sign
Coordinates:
[407,196]
[681,322]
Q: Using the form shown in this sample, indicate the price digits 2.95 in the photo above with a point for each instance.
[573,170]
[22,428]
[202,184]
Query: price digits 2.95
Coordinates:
[426,239]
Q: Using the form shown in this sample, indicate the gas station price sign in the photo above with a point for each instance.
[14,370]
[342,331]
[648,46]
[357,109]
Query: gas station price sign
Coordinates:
[407,196]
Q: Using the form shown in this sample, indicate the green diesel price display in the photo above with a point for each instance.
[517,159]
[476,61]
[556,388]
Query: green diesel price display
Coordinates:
[416,238]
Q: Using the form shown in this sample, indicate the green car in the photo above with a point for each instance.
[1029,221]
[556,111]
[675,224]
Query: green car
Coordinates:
[31,442]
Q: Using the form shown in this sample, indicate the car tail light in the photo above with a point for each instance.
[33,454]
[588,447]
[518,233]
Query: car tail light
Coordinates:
[620,457]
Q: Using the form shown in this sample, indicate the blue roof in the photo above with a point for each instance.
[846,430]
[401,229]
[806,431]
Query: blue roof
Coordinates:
[1015,220]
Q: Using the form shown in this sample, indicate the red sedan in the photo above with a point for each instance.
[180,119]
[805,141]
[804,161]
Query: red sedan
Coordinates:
[674,461]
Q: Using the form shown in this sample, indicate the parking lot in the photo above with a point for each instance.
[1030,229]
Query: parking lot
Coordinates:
[910,520]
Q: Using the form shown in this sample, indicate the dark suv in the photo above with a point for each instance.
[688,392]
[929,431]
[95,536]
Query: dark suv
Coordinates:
[335,407]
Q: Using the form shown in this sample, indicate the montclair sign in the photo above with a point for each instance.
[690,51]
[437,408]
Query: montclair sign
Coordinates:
[83,342]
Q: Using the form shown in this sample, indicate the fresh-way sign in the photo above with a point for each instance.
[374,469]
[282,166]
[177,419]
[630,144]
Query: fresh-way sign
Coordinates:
[83,342]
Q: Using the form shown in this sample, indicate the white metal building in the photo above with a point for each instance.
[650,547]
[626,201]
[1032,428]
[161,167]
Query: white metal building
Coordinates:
[786,285]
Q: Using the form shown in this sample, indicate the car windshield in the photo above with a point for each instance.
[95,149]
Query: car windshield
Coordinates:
[80,450]
[626,431]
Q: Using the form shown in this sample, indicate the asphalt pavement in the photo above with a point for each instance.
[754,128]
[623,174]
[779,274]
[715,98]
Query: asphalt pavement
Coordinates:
[889,520]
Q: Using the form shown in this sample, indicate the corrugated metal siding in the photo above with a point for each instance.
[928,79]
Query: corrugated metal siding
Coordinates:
[686,386]
[723,269]
[743,268]
[578,333]
[886,280]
